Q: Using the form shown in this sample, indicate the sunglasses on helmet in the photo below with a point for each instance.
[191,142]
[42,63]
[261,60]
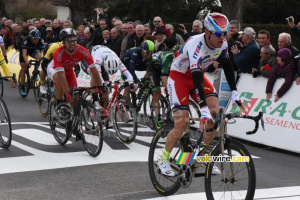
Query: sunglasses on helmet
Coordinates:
[219,33]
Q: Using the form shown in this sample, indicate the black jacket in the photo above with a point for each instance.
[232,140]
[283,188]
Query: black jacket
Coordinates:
[116,45]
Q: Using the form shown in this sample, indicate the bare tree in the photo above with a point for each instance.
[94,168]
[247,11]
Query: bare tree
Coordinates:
[233,9]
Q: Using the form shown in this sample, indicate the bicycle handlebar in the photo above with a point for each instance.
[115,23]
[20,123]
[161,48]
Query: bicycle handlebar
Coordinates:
[228,116]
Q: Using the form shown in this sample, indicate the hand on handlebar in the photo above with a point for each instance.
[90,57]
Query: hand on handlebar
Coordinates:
[205,118]
[236,100]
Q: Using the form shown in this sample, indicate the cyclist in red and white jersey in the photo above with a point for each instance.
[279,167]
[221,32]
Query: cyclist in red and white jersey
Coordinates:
[64,60]
[187,78]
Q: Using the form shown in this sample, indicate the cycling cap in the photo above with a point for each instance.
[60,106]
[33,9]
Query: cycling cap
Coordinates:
[216,22]
[35,33]
[148,45]
[67,32]
[111,64]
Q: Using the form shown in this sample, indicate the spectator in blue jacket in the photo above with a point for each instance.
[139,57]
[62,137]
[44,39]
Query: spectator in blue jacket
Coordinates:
[249,56]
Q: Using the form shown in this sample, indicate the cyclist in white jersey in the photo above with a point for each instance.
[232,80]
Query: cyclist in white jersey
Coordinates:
[105,57]
[187,78]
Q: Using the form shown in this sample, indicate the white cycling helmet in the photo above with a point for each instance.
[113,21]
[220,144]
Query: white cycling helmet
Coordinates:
[111,64]
[216,22]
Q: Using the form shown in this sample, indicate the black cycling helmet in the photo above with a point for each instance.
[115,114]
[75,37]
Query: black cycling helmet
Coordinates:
[35,33]
[67,32]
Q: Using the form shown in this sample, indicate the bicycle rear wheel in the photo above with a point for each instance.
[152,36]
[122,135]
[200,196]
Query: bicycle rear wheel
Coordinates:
[58,129]
[91,129]
[239,186]
[164,185]
[125,120]
[35,86]
[5,126]
[26,83]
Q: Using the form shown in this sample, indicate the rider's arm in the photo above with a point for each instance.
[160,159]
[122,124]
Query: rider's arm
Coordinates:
[95,74]
[229,72]
[24,54]
[128,75]
[131,67]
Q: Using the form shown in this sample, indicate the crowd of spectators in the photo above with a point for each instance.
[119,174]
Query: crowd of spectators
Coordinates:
[249,52]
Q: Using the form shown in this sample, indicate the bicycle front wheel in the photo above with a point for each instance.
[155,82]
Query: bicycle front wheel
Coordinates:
[35,86]
[125,120]
[91,129]
[1,85]
[58,129]
[239,177]
[5,126]
[164,185]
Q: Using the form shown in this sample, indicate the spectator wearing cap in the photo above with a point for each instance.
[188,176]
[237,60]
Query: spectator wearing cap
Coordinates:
[249,57]
[160,36]
[158,23]
[139,30]
[179,39]
[116,41]
[267,61]
[48,39]
[285,68]
[285,41]
[196,29]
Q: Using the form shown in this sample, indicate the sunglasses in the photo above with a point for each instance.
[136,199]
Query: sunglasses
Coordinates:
[148,52]
[219,34]
[35,38]
[156,21]
[70,40]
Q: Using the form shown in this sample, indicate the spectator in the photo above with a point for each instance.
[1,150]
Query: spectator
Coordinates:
[48,23]
[132,37]
[48,39]
[114,19]
[116,41]
[124,39]
[147,29]
[105,18]
[8,37]
[25,26]
[234,39]
[295,29]
[29,22]
[264,38]
[139,30]
[285,41]
[97,33]
[88,37]
[160,36]
[118,25]
[42,29]
[138,22]
[196,29]
[249,57]
[267,61]
[158,23]
[124,30]
[56,30]
[285,68]
[42,22]
[3,20]
[149,37]
[61,23]
[81,35]
[106,38]
[67,24]
[179,39]
[18,39]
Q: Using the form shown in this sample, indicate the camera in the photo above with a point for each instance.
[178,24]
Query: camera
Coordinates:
[181,27]
[289,19]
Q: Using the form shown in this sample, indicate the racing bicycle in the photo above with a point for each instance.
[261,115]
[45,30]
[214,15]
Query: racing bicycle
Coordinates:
[5,126]
[237,179]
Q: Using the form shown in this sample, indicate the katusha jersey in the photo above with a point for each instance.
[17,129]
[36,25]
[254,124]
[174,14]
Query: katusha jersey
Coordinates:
[196,54]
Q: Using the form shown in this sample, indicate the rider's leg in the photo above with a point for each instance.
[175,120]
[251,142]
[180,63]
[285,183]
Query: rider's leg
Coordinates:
[24,69]
[61,82]
[7,72]
[213,105]
[164,80]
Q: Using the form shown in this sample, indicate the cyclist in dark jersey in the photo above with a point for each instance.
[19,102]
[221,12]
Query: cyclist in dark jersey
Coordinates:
[32,46]
[137,58]
[159,69]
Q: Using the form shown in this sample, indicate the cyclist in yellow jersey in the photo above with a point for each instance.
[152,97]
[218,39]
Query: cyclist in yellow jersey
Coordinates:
[3,63]
[46,59]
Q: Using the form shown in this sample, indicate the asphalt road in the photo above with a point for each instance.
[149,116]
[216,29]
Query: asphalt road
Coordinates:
[36,167]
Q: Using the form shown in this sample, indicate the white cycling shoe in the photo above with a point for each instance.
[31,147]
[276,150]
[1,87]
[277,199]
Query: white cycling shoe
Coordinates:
[43,89]
[215,170]
[97,105]
[165,168]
